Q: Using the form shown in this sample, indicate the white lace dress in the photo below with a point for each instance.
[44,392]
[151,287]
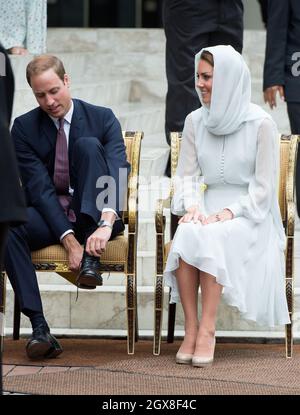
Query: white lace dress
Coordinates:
[246,254]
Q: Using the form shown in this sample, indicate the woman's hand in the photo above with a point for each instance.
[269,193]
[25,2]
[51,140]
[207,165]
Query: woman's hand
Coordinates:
[222,216]
[193,214]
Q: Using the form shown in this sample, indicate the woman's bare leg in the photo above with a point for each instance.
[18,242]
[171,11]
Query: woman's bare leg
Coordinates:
[210,297]
[188,284]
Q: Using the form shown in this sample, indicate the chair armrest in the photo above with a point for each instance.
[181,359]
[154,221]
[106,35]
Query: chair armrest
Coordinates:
[133,211]
[160,219]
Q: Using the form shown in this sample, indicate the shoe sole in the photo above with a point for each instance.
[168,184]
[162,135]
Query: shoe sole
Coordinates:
[202,364]
[86,287]
[53,353]
[183,362]
[38,350]
[88,282]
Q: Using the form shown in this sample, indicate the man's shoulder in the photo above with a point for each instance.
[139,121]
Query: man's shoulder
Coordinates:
[91,108]
[29,117]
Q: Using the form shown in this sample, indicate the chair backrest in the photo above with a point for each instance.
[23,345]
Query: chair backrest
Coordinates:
[288,157]
[288,152]
[132,141]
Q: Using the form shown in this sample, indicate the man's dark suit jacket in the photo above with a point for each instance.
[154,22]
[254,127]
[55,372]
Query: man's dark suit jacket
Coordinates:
[35,135]
[283,40]
[12,205]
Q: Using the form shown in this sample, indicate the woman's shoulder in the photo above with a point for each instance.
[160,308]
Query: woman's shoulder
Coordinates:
[193,119]
[267,127]
[196,115]
[265,124]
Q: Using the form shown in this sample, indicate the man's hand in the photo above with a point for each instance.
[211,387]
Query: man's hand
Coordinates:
[193,214]
[222,216]
[96,243]
[74,250]
[270,95]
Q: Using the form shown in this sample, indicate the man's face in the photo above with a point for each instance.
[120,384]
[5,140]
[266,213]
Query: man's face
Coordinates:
[52,94]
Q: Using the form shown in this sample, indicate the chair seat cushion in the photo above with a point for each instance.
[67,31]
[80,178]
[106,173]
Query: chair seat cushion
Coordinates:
[115,253]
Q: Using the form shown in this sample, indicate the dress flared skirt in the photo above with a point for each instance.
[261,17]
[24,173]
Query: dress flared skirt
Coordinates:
[244,257]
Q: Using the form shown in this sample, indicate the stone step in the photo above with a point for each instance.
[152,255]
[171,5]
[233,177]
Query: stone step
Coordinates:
[90,52]
[127,40]
[154,162]
[235,335]
[103,40]
[85,67]
[135,116]
[155,140]
[149,192]
[149,90]
[104,309]
[102,93]
[132,115]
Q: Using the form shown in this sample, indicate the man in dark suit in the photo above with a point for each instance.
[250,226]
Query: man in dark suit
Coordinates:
[12,206]
[189,26]
[282,64]
[264,11]
[74,171]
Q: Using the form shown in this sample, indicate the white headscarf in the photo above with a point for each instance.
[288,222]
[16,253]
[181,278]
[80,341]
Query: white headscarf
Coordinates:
[230,104]
[230,108]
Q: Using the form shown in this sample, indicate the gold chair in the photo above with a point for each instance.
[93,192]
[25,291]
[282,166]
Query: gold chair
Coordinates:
[288,153]
[120,255]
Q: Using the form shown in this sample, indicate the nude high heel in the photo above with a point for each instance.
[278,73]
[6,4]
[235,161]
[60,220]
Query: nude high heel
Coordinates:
[204,361]
[184,358]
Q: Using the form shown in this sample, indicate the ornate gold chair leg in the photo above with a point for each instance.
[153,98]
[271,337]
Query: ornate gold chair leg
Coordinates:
[131,313]
[290,303]
[289,340]
[158,314]
[136,324]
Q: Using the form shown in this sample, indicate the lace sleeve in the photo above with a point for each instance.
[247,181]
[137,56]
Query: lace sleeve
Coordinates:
[263,185]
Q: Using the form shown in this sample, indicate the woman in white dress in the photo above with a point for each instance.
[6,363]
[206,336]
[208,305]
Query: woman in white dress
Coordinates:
[23,26]
[230,238]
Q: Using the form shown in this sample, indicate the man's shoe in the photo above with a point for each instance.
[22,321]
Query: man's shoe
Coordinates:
[89,276]
[42,344]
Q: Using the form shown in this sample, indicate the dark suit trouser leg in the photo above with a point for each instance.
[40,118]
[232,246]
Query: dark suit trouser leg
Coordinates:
[294,117]
[88,165]
[35,234]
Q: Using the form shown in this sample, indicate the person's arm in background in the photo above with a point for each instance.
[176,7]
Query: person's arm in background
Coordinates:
[275,56]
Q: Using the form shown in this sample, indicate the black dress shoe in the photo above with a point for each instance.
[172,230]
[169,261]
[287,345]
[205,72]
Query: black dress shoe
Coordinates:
[89,276]
[42,344]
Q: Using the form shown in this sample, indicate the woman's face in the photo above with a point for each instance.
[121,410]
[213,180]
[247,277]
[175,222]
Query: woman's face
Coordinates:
[205,80]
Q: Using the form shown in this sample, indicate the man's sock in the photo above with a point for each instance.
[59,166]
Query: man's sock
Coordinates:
[36,318]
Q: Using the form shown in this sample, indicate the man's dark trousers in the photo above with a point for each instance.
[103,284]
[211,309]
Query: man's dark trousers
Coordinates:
[90,164]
